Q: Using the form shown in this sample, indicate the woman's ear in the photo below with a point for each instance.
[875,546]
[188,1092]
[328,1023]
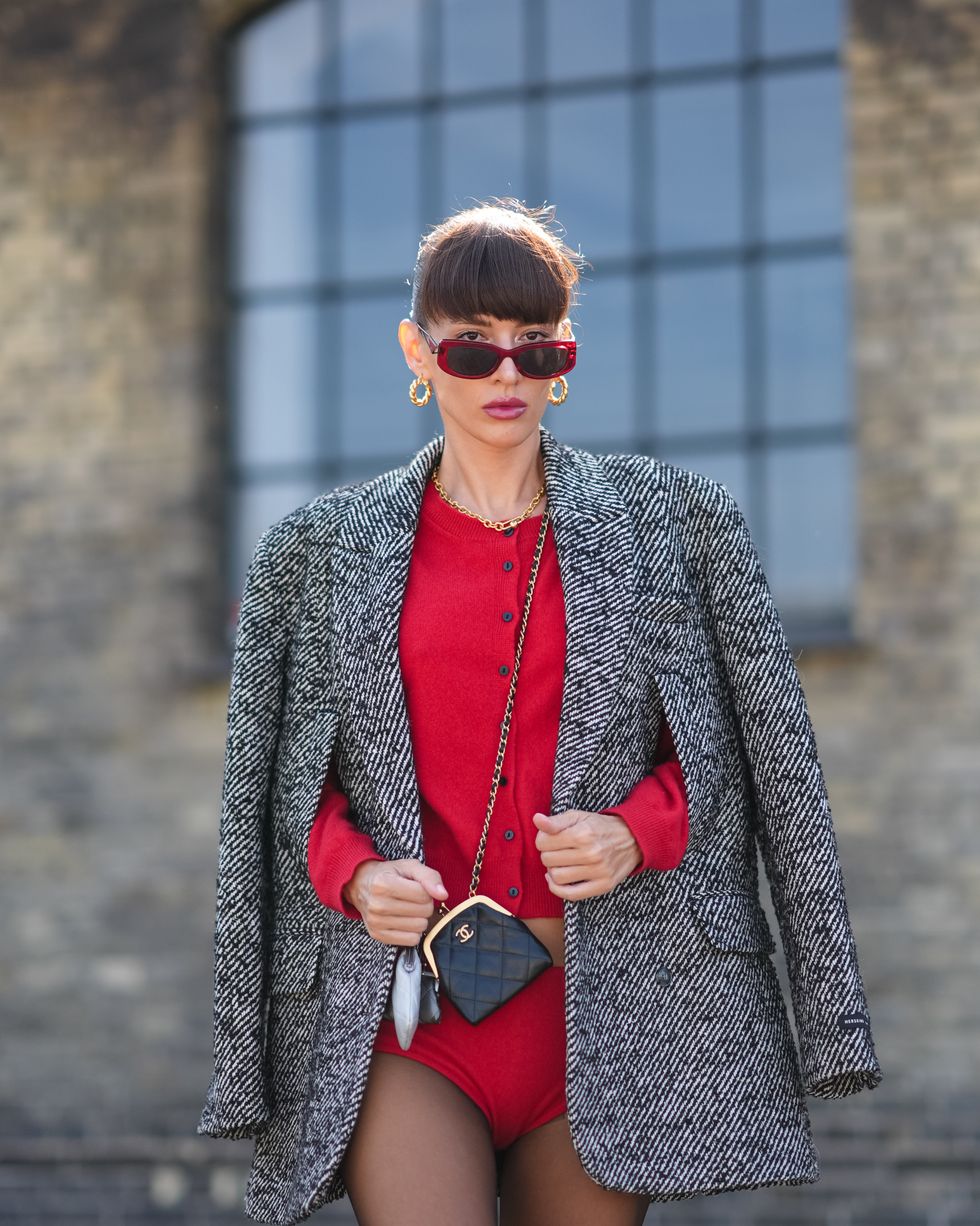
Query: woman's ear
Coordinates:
[412,345]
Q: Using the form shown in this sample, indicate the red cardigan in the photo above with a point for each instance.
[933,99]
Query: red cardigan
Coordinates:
[457,639]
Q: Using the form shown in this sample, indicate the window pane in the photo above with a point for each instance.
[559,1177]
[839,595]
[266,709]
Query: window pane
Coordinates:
[257,505]
[483,45]
[483,154]
[807,342]
[688,32]
[345,200]
[584,42]
[379,185]
[380,49]
[277,61]
[376,416]
[790,26]
[276,216]
[599,407]
[730,467]
[593,194]
[276,382]
[803,159]
[697,194]
[698,354]
[811,523]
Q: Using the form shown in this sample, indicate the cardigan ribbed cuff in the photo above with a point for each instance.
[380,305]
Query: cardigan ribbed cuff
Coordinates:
[335,849]
[656,813]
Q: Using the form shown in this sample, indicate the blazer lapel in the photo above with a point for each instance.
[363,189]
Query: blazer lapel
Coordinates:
[369,572]
[594,542]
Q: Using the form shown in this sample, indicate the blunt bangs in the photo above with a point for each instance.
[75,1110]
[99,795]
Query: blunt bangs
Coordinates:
[498,259]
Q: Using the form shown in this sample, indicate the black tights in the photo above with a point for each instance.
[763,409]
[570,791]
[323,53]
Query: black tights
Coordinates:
[421,1154]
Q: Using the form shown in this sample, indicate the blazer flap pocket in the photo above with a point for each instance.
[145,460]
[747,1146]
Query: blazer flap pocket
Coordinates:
[734,921]
[664,606]
[296,960]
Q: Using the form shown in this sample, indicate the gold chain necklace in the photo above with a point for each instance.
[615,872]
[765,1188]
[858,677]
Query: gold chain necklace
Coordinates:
[499,524]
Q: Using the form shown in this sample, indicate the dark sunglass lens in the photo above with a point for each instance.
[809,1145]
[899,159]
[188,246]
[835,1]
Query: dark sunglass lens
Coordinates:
[468,360]
[540,363]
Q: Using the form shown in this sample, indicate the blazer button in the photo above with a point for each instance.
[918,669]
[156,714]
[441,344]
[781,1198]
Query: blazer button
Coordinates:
[662,976]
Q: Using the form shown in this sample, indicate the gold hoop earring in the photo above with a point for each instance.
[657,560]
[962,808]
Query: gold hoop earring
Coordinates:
[414,386]
[564,389]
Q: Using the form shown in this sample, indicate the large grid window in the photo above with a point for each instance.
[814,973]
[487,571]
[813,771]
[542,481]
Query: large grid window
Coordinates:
[694,150]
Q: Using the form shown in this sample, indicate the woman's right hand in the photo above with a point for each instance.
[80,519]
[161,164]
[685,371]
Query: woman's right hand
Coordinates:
[395,898]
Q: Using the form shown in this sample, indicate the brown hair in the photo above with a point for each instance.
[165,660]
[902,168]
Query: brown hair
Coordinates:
[498,258]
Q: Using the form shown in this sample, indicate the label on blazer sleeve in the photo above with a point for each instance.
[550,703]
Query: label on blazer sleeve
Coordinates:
[854,1021]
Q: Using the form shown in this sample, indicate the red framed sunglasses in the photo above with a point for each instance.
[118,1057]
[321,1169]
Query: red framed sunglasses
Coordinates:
[477,359]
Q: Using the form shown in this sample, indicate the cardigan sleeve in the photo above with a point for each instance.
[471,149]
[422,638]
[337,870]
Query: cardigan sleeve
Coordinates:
[336,847]
[656,810]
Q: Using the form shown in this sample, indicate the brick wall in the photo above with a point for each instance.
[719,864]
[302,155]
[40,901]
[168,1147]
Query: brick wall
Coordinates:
[112,631]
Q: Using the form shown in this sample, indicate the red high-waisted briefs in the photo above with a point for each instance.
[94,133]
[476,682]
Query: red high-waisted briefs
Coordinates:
[512,1064]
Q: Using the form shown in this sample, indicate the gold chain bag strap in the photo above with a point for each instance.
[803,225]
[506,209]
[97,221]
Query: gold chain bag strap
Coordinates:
[489,955]
[480,953]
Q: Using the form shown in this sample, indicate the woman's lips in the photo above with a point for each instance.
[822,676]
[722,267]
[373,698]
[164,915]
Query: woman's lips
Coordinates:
[505,410]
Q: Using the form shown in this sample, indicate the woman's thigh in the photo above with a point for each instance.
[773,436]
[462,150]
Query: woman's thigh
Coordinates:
[420,1153]
[543,1183]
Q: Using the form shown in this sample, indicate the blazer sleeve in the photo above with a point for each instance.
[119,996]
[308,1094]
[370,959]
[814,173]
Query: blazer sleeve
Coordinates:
[237,1104]
[793,823]
[336,847]
[656,810]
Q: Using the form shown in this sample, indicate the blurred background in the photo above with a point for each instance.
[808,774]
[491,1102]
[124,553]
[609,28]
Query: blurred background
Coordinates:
[209,214]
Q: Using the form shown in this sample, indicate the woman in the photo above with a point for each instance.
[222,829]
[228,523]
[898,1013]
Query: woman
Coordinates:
[659,734]
[475,1101]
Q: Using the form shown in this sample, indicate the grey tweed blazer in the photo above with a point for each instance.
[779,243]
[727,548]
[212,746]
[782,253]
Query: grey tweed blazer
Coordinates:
[683,1075]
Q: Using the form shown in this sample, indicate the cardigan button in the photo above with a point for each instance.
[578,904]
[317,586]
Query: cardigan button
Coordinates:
[504,670]
[508,565]
[508,616]
[508,532]
[513,891]
[503,780]
[508,834]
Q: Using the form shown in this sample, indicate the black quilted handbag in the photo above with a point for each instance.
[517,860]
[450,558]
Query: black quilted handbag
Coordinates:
[481,953]
[483,956]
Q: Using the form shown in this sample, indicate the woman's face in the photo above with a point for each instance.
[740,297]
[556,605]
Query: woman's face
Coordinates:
[462,402]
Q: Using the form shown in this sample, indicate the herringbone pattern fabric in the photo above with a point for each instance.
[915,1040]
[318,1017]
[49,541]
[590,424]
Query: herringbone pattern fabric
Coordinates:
[683,1075]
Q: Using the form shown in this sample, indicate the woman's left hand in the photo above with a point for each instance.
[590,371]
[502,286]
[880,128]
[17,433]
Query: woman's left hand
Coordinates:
[585,854]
